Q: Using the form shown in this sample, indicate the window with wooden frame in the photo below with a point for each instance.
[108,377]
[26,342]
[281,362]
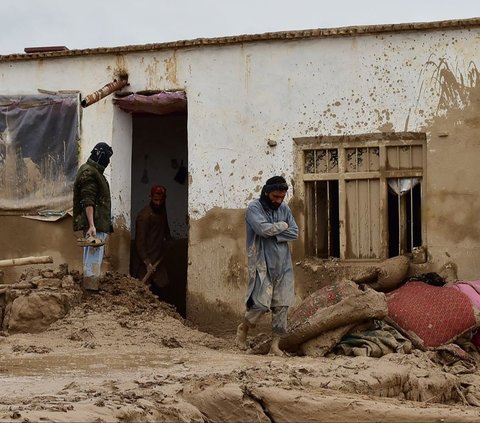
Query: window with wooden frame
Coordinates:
[362,194]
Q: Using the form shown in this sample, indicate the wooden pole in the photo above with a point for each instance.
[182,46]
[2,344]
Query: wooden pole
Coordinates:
[152,270]
[22,261]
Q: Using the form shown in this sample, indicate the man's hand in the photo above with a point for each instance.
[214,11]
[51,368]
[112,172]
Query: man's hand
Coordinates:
[150,266]
[92,231]
[283,225]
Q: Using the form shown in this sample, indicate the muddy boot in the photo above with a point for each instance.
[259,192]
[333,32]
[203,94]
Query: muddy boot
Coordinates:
[90,283]
[242,332]
[274,346]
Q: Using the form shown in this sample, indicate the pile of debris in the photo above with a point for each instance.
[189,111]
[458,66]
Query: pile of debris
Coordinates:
[382,311]
[37,299]
[42,296]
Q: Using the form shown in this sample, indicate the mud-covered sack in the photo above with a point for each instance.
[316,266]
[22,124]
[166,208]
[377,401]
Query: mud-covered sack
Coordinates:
[328,308]
[322,298]
[390,274]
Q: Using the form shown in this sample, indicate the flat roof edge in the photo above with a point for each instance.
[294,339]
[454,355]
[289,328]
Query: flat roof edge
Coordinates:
[347,31]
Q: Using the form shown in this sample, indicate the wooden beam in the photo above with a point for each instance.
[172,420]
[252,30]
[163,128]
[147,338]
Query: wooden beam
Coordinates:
[22,261]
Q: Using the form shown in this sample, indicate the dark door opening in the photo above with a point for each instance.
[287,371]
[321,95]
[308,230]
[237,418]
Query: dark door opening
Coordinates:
[160,157]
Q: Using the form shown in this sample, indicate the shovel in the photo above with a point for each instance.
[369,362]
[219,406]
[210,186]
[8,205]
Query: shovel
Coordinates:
[152,270]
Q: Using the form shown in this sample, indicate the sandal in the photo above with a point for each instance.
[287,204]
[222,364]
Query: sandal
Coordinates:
[91,241]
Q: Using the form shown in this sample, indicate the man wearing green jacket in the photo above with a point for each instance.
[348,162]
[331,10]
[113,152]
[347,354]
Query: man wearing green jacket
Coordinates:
[92,211]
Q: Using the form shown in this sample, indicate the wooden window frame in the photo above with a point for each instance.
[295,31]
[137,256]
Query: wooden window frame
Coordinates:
[371,140]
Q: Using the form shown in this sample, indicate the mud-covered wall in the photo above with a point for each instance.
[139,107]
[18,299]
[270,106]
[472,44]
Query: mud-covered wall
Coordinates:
[217,268]
[246,104]
[21,237]
[452,201]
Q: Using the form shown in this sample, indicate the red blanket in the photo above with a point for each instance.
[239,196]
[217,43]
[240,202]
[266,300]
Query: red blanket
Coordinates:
[436,315]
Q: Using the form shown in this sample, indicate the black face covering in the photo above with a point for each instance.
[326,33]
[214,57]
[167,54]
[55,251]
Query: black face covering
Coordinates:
[266,202]
[104,161]
[101,154]
[276,183]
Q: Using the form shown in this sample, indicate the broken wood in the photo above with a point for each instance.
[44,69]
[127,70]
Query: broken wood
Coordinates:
[22,261]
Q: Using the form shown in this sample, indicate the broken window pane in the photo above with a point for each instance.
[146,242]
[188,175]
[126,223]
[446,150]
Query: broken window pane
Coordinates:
[364,159]
[333,160]
[321,161]
[309,163]
[402,185]
[374,159]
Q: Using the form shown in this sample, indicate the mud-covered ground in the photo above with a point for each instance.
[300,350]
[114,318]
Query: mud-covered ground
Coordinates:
[121,355]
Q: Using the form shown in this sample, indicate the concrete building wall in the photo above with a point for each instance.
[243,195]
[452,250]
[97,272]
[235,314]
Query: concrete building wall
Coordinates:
[242,96]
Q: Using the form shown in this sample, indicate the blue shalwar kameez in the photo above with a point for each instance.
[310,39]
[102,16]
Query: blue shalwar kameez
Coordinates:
[270,271]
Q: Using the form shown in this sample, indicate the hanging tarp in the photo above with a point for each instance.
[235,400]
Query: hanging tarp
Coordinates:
[161,103]
[401,186]
[38,152]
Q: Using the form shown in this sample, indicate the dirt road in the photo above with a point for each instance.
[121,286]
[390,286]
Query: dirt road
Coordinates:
[116,357]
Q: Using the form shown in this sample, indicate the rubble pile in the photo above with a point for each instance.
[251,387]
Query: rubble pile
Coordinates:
[37,299]
[42,296]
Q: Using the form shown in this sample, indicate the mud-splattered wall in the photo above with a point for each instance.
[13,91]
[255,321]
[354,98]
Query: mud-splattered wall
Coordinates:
[217,272]
[246,104]
[21,237]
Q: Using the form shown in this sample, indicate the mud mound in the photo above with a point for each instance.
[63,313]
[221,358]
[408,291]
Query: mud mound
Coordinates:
[119,291]
[122,304]
[124,308]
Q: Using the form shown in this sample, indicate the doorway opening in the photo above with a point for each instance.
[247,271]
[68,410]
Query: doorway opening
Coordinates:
[160,157]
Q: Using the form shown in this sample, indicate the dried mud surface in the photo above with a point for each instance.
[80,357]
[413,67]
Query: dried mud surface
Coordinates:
[123,356]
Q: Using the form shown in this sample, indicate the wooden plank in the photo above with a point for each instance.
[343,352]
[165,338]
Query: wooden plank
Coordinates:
[22,261]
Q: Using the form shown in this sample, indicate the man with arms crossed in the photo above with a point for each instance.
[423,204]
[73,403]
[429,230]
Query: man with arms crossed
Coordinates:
[270,225]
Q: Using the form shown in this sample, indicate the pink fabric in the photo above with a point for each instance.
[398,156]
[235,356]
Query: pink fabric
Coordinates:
[470,292]
[474,284]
